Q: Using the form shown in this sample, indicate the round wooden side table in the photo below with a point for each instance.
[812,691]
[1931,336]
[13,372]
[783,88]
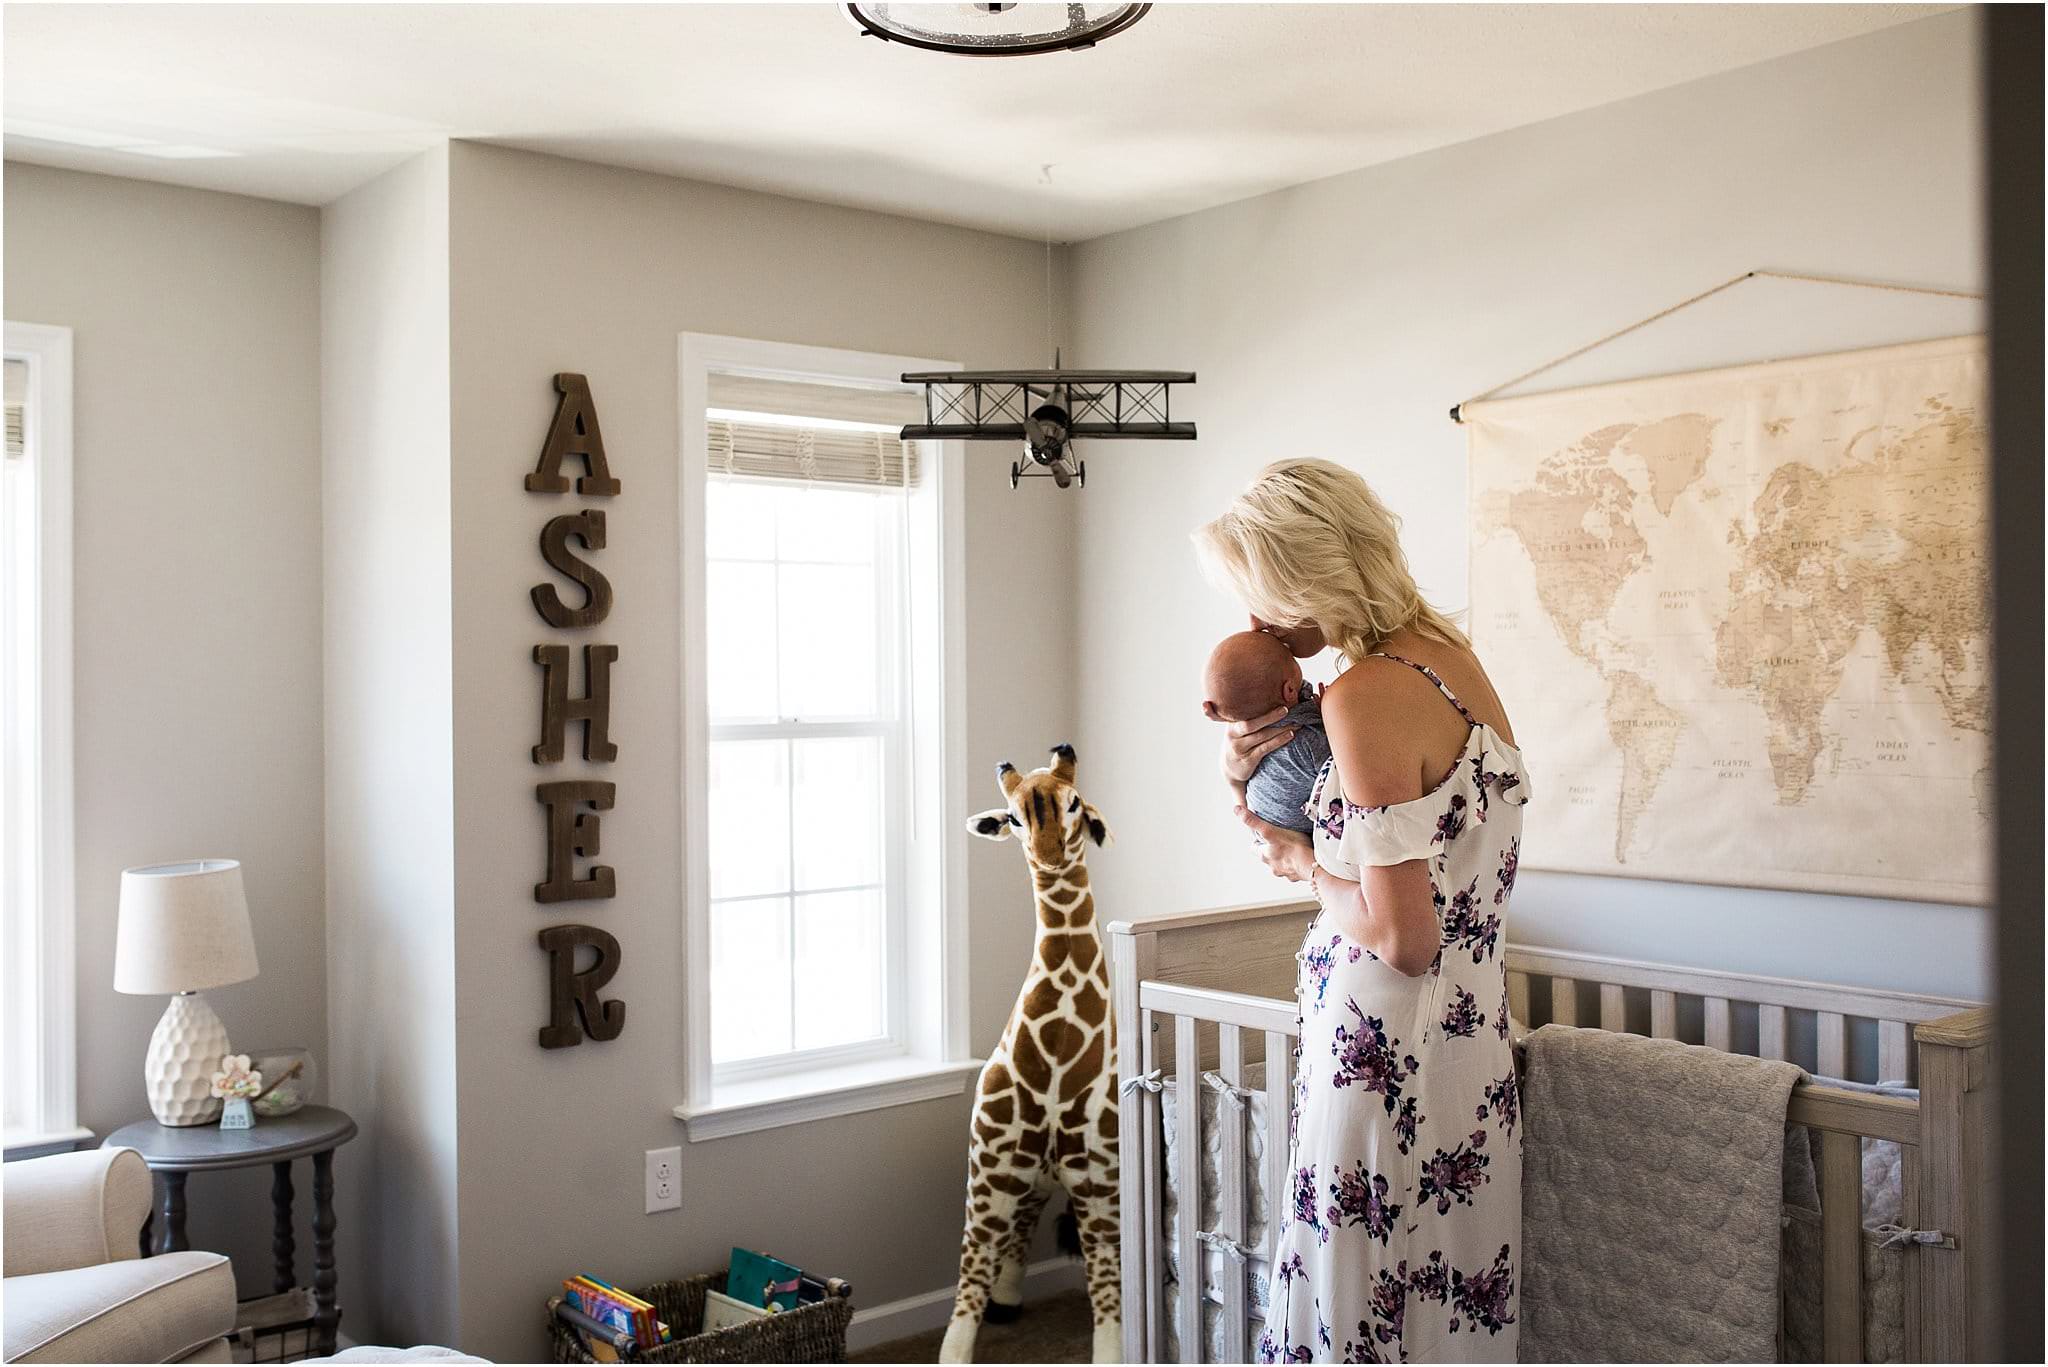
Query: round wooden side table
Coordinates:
[174,1153]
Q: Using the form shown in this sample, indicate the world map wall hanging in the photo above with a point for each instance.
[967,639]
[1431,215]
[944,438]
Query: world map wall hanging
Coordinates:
[1741,620]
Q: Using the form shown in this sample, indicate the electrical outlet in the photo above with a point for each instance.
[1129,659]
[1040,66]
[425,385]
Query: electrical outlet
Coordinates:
[664,1179]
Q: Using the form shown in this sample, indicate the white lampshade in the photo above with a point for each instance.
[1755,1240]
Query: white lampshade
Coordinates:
[184,928]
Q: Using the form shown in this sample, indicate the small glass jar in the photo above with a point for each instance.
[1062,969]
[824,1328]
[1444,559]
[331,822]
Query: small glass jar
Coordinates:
[283,1097]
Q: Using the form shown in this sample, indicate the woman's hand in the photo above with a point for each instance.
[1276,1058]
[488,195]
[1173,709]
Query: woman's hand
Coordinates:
[1287,853]
[1248,742]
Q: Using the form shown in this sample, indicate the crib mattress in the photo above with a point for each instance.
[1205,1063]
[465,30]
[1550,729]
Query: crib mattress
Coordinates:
[1883,1270]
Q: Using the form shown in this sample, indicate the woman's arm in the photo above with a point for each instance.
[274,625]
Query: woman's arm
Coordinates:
[1379,761]
[1379,913]
[1392,913]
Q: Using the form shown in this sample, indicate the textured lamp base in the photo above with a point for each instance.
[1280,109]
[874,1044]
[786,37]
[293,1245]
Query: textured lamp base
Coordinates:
[184,1054]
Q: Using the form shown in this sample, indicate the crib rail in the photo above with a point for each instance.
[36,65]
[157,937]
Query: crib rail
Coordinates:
[1194,1035]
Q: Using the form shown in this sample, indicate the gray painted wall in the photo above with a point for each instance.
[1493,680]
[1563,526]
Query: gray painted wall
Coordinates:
[196,402]
[1343,318]
[389,746]
[559,265]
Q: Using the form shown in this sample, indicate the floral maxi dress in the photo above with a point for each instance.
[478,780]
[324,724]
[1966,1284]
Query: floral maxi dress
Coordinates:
[1401,1234]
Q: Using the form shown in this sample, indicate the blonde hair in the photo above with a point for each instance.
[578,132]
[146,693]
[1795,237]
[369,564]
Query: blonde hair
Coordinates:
[1309,541]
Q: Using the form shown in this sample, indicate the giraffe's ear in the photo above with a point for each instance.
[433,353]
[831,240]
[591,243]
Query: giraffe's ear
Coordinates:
[1098,829]
[993,824]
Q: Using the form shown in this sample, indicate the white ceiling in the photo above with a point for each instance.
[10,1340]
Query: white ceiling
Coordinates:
[1195,106]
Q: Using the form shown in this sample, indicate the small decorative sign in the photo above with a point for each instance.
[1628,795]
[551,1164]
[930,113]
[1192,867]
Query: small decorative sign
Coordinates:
[572,806]
[237,1082]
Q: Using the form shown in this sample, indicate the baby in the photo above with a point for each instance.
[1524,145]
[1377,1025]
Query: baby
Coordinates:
[1250,673]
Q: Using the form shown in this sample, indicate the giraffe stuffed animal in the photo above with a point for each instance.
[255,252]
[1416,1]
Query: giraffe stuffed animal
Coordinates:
[1045,1111]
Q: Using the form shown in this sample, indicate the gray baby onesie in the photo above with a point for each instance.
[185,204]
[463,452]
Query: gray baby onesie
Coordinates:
[1282,784]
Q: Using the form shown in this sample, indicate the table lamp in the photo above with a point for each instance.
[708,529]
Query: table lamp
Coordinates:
[184,928]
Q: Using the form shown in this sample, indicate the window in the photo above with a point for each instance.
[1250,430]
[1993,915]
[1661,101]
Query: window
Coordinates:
[35,726]
[820,592]
[804,585]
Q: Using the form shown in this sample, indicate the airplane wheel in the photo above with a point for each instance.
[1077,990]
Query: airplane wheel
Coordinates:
[1016,473]
[1084,474]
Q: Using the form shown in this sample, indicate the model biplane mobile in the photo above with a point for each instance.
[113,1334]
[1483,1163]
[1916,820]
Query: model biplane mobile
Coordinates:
[1048,410]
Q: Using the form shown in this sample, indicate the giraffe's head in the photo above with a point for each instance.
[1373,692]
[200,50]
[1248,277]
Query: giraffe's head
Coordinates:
[1047,811]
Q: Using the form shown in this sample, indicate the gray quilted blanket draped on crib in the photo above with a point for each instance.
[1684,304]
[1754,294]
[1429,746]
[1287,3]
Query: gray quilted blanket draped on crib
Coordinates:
[1653,1175]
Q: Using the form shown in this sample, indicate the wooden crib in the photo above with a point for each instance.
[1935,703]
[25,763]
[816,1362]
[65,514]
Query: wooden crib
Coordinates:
[1201,997]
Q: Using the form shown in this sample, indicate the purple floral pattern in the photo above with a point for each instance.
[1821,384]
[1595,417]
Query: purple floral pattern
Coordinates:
[1468,925]
[1359,1197]
[1451,1176]
[1503,1102]
[1412,1259]
[1510,859]
[1462,1018]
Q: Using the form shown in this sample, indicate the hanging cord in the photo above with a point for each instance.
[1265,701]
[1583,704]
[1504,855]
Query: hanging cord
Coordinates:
[1457,409]
[1045,179]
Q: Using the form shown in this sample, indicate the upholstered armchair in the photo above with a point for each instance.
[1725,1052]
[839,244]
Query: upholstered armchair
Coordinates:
[77,1289]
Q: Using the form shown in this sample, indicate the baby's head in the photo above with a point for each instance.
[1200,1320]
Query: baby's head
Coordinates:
[1250,673]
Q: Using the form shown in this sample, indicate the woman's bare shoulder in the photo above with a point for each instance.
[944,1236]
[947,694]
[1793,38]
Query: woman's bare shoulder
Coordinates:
[1379,726]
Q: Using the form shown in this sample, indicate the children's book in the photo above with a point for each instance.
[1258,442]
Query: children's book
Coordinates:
[723,1312]
[757,1279]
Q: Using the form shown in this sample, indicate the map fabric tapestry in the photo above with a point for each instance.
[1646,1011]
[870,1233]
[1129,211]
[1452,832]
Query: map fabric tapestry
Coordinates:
[1741,620]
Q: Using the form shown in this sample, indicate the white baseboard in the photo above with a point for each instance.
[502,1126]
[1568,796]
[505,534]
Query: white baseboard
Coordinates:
[916,1314]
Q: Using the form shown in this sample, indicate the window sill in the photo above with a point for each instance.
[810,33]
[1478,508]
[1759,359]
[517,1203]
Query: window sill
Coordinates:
[798,1098]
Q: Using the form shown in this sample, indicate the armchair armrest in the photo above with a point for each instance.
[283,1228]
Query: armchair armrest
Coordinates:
[74,1210]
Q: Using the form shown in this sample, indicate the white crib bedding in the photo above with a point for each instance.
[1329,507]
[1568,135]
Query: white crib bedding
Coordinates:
[1883,1274]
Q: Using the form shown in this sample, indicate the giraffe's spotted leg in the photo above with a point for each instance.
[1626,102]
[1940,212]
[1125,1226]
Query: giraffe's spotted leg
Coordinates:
[992,1197]
[1007,1298]
[1097,1216]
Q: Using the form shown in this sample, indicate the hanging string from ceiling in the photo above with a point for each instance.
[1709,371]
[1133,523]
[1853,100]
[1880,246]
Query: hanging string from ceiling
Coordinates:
[1457,409]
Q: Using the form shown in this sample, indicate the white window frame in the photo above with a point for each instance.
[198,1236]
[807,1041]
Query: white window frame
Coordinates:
[928,1055]
[47,353]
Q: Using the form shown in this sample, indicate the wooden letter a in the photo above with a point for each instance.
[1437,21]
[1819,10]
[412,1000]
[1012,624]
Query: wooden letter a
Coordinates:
[574,432]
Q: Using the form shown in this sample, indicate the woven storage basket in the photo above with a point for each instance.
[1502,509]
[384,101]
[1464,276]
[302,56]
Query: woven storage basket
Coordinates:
[814,1332]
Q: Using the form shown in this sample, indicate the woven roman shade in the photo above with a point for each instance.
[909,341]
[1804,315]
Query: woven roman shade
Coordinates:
[17,401]
[769,428]
[825,455]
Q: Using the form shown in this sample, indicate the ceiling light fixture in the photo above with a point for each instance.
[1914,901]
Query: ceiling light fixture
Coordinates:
[994,30]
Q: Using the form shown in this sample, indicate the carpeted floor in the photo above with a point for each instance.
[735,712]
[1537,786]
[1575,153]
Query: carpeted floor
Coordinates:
[1056,1329]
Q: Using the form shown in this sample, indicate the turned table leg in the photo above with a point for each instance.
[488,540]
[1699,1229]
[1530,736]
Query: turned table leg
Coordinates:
[149,1229]
[326,1311]
[172,1212]
[281,1247]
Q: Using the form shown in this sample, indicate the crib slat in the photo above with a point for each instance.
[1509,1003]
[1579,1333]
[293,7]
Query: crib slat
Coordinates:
[1518,997]
[1613,1008]
[1770,1032]
[1279,1137]
[1841,1238]
[1564,1002]
[1230,1210]
[1187,1100]
[1720,1034]
[1154,1251]
[1831,1034]
[1663,1015]
[1131,962]
[1909,1216]
[1894,1052]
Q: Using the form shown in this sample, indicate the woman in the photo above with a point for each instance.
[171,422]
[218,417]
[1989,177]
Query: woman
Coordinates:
[1402,1229]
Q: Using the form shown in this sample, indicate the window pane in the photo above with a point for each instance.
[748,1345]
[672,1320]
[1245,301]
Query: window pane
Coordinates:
[827,646]
[826,524]
[739,520]
[839,985]
[749,810]
[837,830]
[750,978]
[740,626]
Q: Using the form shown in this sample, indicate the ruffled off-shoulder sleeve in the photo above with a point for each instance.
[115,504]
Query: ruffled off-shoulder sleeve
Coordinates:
[1377,836]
